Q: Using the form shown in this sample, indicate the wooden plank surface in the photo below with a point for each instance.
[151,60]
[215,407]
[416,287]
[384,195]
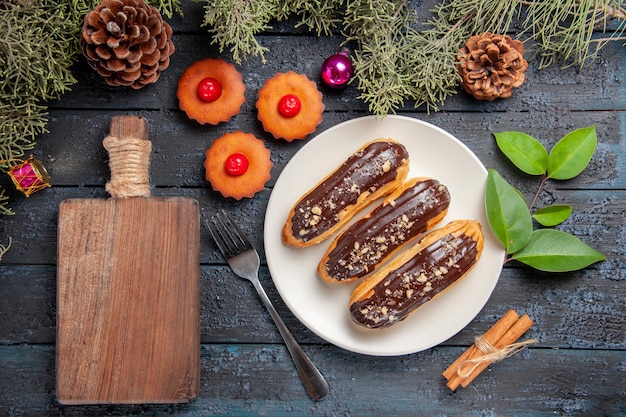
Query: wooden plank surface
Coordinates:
[258,379]
[575,369]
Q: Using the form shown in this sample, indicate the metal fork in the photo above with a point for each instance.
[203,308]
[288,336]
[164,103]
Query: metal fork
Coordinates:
[244,261]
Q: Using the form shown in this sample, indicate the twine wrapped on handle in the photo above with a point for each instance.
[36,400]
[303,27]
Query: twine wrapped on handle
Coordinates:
[129,162]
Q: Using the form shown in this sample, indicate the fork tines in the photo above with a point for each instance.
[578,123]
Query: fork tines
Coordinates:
[228,237]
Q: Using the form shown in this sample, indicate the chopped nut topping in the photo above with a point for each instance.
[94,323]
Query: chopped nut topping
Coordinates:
[386,166]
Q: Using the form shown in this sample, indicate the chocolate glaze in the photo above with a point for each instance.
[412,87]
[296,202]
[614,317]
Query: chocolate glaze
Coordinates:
[426,274]
[371,239]
[364,172]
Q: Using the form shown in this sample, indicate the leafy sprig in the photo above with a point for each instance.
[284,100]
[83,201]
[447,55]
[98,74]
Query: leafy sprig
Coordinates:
[511,219]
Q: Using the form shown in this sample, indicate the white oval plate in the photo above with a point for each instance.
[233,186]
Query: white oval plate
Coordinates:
[323,307]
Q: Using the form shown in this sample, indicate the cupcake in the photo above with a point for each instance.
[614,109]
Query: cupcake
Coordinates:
[238,165]
[290,106]
[211,91]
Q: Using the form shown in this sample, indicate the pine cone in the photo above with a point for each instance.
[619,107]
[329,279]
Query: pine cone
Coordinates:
[127,42]
[491,66]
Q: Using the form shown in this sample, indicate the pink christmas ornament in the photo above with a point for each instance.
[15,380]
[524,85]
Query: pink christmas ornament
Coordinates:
[337,69]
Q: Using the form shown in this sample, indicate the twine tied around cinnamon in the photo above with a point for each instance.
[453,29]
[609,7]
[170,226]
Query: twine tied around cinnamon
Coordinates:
[129,162]
[497,343]
[491,354]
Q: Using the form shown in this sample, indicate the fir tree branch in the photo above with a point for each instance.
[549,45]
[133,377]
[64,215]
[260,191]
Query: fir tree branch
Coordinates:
[236,23]
[4,208]
[31,71]
[395,63]
[3,249]
[320,17]
[167,7]
[30,67]
[379,29]
[20,123]
[565,31]
[39,42]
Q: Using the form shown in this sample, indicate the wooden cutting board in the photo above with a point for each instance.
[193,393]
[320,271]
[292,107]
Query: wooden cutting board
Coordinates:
[128,323]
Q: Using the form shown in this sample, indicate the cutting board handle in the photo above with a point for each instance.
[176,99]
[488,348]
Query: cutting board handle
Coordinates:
[129,157]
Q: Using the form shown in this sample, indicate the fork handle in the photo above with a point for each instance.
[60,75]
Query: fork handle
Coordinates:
[313,381]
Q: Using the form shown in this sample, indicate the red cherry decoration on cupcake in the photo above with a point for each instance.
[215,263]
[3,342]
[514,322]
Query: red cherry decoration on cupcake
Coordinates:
[236,164]
[209,89]
[289,105]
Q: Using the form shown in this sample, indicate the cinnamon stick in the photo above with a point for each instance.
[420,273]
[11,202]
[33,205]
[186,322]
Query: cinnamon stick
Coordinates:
[492,336]
[514,333]
[500,336]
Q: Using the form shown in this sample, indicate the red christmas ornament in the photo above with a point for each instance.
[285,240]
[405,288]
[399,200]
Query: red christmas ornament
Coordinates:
[337,69]
[29,176]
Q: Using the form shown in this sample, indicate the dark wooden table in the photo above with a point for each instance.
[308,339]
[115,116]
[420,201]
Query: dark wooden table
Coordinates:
[577,367]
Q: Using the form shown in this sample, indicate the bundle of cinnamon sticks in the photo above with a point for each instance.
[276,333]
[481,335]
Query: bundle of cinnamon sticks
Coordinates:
[499,342]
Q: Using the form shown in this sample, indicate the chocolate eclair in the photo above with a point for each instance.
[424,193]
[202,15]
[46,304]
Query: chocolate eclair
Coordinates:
[410,210]
[439,260]
[373,171]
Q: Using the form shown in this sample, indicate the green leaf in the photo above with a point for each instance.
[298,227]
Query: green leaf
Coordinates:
[553,215]
[556,251]
[507,213]
[526,152]
[571,155]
